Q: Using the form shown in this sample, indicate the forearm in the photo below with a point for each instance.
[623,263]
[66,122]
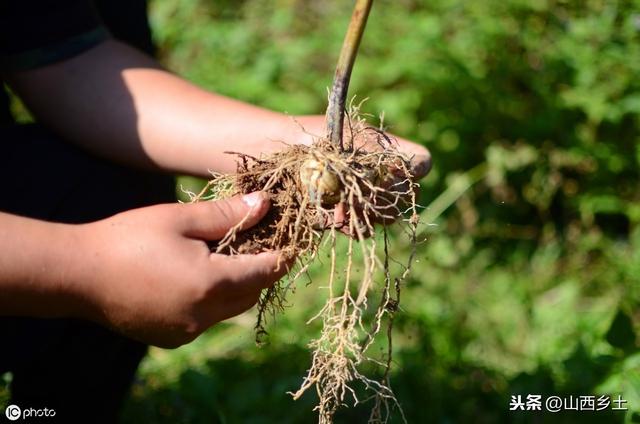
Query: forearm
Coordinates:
[119,103]
[36,268]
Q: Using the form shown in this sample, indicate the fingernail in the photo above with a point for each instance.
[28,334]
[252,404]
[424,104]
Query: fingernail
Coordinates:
[421,165]
[253,199]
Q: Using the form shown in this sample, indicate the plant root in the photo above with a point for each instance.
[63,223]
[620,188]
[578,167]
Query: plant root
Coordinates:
[370,182]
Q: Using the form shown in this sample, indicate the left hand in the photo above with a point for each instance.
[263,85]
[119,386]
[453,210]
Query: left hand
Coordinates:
[420,159]
[420,165]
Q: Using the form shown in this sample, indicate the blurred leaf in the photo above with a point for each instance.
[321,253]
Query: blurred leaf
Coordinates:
[621,333]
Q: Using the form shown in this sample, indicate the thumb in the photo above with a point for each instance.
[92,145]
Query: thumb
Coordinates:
[421,165]
[242,273]
[212,220]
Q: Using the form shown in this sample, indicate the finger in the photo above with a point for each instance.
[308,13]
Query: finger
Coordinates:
[248,273]
[340,215]
[240,305]
[420,165]
[334,218]
[385,215]
[212,220]
[342,221]
[420,157]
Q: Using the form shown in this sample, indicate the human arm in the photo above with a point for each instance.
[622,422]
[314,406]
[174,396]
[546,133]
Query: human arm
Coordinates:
[148,273]
[119,103]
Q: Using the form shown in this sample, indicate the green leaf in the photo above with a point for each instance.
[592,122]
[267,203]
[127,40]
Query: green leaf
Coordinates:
[621,333]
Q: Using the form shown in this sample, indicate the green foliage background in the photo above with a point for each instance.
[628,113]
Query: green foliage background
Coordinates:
[527,282]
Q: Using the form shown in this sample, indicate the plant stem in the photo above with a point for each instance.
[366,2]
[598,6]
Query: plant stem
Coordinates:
[338,95]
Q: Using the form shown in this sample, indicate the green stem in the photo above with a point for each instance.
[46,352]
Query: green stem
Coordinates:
[458,186]
[338,95]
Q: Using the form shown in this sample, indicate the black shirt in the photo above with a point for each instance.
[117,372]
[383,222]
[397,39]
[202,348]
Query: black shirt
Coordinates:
[36,33]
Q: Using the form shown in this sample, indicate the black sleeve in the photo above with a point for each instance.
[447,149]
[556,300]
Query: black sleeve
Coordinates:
[127,21]
[35,33]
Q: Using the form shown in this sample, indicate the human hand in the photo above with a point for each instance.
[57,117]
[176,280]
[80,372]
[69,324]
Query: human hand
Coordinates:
[420,157]
[396,180]
[149,274]
[304,130]
[309,127]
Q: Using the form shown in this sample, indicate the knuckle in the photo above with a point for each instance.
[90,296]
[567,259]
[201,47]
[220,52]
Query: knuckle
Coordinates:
[224,212]
[187,331]
[192,329]
[183,215]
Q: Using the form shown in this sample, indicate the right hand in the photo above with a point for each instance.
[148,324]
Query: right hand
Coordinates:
[149,274]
